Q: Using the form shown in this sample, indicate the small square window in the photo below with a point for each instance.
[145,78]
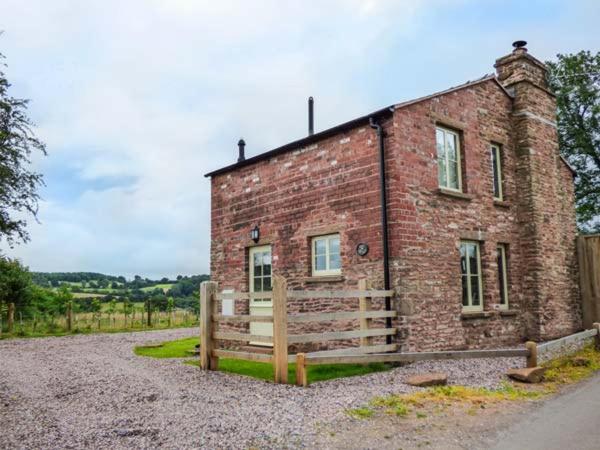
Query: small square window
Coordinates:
[325,254]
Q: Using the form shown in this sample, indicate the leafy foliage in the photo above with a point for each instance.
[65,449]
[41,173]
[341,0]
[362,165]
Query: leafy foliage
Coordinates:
[15,283]
[18,183]
[575,79]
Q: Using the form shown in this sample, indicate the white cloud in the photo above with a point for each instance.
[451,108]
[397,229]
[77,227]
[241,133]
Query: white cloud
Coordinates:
[160,92]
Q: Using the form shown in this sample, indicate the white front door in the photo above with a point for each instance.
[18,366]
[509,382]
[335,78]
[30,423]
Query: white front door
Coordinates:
[260,281]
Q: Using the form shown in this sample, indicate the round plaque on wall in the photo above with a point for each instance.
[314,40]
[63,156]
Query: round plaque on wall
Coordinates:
[362,249]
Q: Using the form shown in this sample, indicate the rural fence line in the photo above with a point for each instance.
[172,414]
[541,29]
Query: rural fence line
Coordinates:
[71,321]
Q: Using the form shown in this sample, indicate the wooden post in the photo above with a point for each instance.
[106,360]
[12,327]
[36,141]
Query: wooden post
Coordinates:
[69,316]
[208,290]
[280,339]
[149,309]
[301,372]
[364,304]
[532,357]
[11,317]
[597,338]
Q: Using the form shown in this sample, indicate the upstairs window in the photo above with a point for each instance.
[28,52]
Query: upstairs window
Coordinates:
[470,267]
[497,171]
[326,255]
[502,276]
[448,156]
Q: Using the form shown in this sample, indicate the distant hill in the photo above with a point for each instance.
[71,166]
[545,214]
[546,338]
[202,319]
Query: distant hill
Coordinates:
[108,287]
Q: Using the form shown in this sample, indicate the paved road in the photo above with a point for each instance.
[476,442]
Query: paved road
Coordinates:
[569,421]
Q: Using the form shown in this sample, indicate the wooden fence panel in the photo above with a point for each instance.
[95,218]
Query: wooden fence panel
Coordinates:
[588,249]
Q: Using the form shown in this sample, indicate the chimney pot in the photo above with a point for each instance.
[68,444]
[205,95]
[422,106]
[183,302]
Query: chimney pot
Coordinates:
[519,46]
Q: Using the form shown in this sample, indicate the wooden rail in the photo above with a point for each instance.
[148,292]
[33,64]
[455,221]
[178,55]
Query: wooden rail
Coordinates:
[322,317]
[336,335]
[353,293]
[315,359]
[588,251]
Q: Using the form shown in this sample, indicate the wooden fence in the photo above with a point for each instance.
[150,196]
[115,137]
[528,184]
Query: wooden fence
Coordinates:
[281,339]
[366,353]
[588,250]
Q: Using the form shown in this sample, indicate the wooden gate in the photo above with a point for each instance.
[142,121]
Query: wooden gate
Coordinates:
[588,249]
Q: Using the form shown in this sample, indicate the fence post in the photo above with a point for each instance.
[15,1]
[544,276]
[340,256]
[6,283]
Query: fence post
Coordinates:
[69,316]
[149,308]
[280,339]
[301,373]
[208,289]
[597,338]
[11,317]
[364,305]
[532,357]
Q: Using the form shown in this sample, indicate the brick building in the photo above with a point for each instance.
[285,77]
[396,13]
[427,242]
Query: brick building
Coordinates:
[479,208]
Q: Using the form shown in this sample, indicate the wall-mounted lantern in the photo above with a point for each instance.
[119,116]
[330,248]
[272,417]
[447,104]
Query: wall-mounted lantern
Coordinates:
[255,234]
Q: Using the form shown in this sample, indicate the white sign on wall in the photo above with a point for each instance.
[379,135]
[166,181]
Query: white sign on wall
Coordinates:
[227,304]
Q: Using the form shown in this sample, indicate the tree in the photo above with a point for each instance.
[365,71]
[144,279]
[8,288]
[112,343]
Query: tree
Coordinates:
[15,281]
[575,79]
[18,183]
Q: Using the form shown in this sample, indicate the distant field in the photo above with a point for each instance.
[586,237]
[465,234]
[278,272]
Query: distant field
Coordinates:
[164,286]
[86,295]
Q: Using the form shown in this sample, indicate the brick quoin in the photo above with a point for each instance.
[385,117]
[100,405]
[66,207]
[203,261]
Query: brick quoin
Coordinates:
[330,184]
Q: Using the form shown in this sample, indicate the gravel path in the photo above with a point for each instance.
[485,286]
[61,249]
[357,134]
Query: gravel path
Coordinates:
[92,391]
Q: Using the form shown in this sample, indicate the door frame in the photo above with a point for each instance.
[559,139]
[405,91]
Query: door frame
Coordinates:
[267,303]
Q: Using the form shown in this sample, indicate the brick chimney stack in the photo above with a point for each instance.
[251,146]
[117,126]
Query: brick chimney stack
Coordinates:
[541,175]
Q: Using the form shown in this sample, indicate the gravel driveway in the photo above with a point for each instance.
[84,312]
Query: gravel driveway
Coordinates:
[92,391]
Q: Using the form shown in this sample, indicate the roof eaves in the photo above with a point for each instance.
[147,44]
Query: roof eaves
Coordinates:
[453,89]
[301,142]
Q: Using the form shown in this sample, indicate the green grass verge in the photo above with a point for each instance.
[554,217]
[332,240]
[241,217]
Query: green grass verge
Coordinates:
[264,371]
[561,371]
[171,349]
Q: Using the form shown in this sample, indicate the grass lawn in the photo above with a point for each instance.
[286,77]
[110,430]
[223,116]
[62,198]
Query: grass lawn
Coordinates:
[263,371]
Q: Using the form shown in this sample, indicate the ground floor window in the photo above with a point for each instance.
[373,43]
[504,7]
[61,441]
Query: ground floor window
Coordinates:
[502,275]
[470,266]
[326,255]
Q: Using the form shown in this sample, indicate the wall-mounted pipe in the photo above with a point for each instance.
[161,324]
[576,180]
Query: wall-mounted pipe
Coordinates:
[384,219]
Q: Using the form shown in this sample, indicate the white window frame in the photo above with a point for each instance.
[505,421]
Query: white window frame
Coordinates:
[501,249]
[327,271]
[470,307]
[446,162]
[498,172]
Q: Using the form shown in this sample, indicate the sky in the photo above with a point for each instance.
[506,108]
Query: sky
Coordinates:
[136,100]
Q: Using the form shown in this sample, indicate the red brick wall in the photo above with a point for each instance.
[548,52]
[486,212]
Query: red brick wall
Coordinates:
[427,226]
[333,186]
